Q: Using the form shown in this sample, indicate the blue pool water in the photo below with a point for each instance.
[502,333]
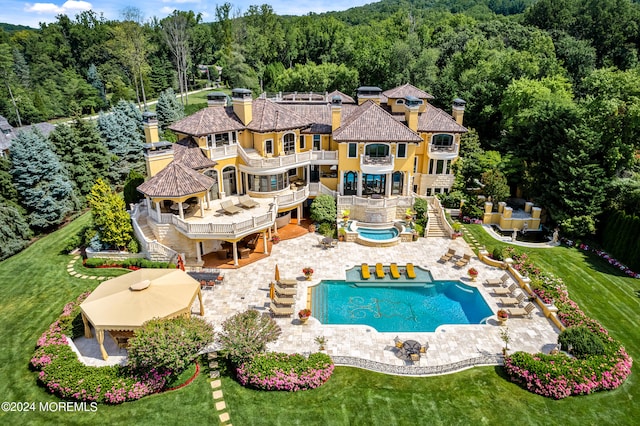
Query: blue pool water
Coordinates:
[378,234]
[398,306]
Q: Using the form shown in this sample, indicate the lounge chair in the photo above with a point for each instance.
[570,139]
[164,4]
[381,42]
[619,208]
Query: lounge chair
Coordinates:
[379,270]
[287,283]
[247,202]
[497,282]
[285,311]
[512,301]
[285,291]
[286,301]
[365,272]
[464,261]
[501,291]
[229,207]
[448,256]
[411,272]
[521,312]
[393,268]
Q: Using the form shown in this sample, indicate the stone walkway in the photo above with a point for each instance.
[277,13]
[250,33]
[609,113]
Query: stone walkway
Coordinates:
[71,270]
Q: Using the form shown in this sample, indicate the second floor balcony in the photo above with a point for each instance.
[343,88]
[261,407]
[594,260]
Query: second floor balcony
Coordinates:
[443,152]
[255,162]
[377,165]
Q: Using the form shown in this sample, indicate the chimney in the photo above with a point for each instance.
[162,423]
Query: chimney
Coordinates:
[150,124]
[411,105]
[216,99]
[243,105]
[336,112]
[458,110]
[366,93]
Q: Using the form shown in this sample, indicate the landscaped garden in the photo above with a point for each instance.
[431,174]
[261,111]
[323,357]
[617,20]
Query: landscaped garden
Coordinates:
[36,287]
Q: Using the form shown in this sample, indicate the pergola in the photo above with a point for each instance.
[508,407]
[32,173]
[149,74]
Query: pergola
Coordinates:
[124,303]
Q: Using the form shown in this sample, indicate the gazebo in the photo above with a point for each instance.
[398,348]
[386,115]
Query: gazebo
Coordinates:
[121,305]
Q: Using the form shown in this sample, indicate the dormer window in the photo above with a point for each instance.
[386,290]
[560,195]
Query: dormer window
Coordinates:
[219,139]
[400,101]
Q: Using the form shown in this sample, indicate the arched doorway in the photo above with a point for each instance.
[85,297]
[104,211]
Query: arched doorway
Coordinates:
[214,192]
[229,182]
[397,180]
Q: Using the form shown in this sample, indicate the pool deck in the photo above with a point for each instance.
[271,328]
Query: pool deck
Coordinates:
[451,347]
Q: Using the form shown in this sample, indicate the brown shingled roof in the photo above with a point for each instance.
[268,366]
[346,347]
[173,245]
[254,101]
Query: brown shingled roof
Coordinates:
[436,120]
[188,152]
[174,181]
[213,119]
[371,123]
[405,90]
[269,116]
[346,99]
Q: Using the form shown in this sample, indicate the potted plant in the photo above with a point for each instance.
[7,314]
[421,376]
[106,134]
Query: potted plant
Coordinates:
[275,239]
[473,273]
[408,214]
[503,316]
[506,338]
[457,226]
[321,341]
[308,272]
[304,315]
[342,234]
[345,214]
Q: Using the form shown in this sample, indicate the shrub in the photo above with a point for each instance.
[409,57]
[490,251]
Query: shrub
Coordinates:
[420,206]
[497,254]
[279,371]
[471,211]
[72,243]
[582,341]
[246,334]
[323,209]
[451,200]
[63,374]
[133,246]
[169,345]
[579,226]
[419,229]
[326,229]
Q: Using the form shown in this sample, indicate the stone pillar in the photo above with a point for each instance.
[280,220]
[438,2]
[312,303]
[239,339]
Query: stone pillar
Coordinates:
[488,207]
[181,210]
[202,207]
[235,254]
[501,206]
[198,253]
[158,210]
[299,214]
[507,212]
[527,206]
[359,188]
[264,242]
[535,212]
[387,185]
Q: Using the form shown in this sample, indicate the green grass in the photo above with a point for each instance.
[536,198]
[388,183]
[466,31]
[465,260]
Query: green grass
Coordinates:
[475,396]
[35,286]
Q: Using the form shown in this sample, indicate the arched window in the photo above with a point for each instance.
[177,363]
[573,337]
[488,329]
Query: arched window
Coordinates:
[229,180]
[289,143]
[351,183]
[214,192]
[376,150]
[397,179]
[400,101]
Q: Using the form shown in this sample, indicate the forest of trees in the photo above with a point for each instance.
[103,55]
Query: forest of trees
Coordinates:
[552,86]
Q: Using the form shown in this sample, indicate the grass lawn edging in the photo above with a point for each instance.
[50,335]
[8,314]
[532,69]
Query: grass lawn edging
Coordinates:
[284,372]
[558,375]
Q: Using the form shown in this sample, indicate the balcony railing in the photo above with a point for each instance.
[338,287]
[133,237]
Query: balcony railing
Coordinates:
[369,160]
[223,151]
[294,197]
[317,188]
[275,162]
[354,200]
[450,149]
[324,155]
[219,230]
[376,165]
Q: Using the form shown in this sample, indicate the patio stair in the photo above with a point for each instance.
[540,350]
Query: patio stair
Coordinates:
[146,229]
[435,227]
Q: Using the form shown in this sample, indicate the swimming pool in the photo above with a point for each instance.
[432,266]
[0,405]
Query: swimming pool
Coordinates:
[378,234]
[414,307]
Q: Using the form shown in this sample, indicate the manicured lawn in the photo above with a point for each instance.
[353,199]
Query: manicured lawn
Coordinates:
[35,286]
[476,396]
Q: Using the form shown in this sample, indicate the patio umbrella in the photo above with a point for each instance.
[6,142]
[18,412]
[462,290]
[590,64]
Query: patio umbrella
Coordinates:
[272,291]
[277,277]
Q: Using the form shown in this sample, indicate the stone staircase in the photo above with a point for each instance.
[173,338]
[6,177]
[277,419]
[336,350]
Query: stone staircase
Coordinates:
[146,229]
[435,226]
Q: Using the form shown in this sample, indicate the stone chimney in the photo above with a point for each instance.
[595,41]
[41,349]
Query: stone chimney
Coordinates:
[458,110]
[366,93]
[150,125]
[216,99]
[242,105]
[336,112]
[411,105]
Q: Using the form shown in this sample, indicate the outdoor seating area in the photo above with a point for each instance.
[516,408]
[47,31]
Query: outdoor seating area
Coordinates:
[229,208]
[450,254]
[521,312]
[365,273]
[393,270]
[411,272]
[247,202]
[466,258]
[409,350]
[497,282]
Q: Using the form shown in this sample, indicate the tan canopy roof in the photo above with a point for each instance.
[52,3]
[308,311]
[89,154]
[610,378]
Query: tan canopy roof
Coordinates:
[117,304]
[176,180]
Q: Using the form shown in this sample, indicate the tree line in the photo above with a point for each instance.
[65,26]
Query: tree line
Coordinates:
[551,86]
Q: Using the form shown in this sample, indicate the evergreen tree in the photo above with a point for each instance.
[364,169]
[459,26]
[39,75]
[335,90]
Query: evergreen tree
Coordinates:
[93,77]
[8,191]
[122,134]
[131,194]
[41,180]
[109,215]
[14,229]
[82,152]
[169,109]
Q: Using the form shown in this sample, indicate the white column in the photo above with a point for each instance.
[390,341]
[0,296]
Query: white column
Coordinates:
[208,200]
[340,183]
[359,190]
[198,253]
[299,214]
[202,207]
[387,184]
[181,210]
[264,241]
[148,203]
[235,254]
[158,210]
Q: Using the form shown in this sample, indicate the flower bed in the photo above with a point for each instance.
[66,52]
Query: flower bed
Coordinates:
[560,376]
[63,374]
[283,372]
[606,256]
[133,264]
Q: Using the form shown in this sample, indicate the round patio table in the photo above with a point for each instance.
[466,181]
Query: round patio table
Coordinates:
[411,347]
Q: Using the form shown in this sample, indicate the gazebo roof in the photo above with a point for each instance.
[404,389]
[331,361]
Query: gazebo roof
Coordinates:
[175,181]
[116,304]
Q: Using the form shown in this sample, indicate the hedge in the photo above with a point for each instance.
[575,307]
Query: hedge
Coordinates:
[133,263]
[284,372]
